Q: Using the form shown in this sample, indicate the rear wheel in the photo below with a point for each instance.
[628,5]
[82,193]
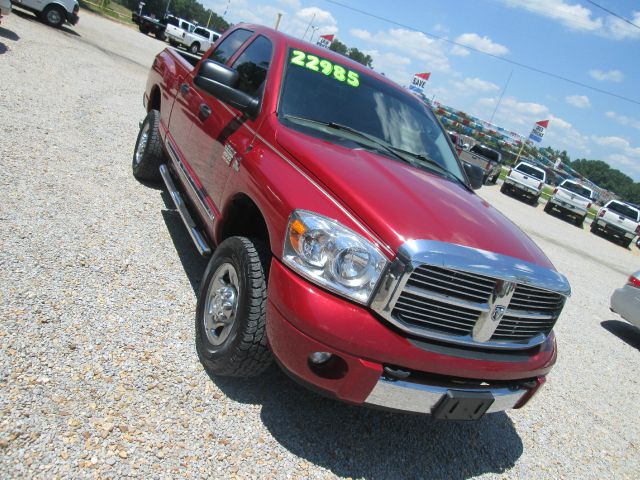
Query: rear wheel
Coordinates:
[579,221]
[148,154]
[231,338]
[504,188]
[534,201]
[160,36]
[625,243]
[194,48]
[173,43]
[144,30]
[548,207]
[53,16]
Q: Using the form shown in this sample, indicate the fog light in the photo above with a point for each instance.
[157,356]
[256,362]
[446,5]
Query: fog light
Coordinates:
[318,358]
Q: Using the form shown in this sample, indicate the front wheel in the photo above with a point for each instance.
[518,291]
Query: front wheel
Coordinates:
[53,16]
[231,338]
[148,154]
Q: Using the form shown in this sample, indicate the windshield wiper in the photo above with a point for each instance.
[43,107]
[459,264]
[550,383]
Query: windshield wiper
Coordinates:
[396,152]
[433,163]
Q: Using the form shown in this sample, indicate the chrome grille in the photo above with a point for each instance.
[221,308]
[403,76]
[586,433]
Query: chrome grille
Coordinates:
[446,304]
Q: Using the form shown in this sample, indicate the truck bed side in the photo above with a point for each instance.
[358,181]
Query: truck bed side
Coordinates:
[168,71]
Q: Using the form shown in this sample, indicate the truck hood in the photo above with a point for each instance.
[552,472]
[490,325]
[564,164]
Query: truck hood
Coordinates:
[399,202]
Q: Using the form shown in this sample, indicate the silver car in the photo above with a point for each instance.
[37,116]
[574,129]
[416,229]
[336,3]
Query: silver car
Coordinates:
[625,301]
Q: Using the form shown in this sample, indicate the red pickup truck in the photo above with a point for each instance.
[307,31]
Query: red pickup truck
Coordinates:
[346,240]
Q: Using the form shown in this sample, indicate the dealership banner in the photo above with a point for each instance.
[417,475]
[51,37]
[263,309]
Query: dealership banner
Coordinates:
[325,41]
[538,130]
[419,81]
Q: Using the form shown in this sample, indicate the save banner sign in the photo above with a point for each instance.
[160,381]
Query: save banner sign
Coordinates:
[538,130]
[419,81]
[325,41]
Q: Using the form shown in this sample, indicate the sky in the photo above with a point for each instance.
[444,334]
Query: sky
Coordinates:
[574,39]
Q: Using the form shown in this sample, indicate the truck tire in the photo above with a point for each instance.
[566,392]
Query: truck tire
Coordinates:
[143,30]
[160,36]
[53,15]
[504,188]
[194,48]
[231,338]
[173,43]
[625,243]
[148,154]
[548,207]
[534,201]
[579,221]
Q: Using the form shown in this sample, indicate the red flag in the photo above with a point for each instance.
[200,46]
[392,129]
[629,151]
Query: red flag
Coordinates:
[543,123]
[424,76]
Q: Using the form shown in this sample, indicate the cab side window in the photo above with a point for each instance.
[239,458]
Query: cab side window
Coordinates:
[252,66]
[201,31]
[230,45]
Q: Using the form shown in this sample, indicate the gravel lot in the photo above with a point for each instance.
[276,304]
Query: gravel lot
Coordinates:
[99,373]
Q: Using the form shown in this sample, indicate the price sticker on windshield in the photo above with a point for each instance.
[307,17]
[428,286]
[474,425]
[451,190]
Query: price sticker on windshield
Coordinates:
[325,67]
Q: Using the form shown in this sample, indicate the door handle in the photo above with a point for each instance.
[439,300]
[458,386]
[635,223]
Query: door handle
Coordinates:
[205,111]
[184,88]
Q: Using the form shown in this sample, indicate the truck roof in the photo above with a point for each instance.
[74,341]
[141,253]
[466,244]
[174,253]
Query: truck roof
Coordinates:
[286,41]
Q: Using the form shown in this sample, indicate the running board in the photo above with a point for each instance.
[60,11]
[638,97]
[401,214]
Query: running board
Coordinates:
[199,241]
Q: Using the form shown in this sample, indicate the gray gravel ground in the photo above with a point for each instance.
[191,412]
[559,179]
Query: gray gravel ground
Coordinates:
[99,375]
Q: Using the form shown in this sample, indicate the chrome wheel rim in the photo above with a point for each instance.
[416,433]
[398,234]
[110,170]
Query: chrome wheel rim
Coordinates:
[221,304]
[54,16]
[142,143]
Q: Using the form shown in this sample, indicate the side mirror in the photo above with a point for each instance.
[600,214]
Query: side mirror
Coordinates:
[475,174]
[221,82]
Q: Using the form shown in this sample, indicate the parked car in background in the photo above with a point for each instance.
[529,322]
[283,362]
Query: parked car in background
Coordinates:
[5,8]
[571,199]
[52,12]
[457,141]
[176,30]
[525,180]
[200,40]
[149,24]
[486,158]
[618,220]
[625,301]
[356,254]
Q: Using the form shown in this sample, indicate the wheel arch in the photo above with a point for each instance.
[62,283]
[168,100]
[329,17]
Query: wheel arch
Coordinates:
[154,99]
[242,217]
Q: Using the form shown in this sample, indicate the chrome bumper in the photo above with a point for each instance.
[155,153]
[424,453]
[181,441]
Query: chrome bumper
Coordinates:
[419,398]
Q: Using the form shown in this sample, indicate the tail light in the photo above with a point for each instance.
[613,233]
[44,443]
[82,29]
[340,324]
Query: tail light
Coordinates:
[540,185]
[638,229]
[634,282]
[602,212]
[76,8]
[509,174]
[588,205]
[555,190]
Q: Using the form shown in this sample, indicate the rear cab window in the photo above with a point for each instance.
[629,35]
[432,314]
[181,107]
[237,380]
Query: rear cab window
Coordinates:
[576,188]
[531,171]
[624,210]
[230,45]
[486,152]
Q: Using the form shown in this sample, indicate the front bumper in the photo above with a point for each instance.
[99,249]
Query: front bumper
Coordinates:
[303,319]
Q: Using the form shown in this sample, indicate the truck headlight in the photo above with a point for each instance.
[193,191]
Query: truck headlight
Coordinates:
[333,256]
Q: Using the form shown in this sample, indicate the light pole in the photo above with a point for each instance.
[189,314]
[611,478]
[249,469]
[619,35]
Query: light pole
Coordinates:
[310,22]
[313,32]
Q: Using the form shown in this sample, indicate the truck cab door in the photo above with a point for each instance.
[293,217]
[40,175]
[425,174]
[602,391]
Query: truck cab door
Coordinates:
[219,137]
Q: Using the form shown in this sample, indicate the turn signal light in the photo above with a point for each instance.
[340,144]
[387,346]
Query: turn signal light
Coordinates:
[602,212]
[638,229]
[634,282]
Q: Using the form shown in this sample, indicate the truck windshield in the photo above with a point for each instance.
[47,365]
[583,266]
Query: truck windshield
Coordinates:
[624,210]
[324,92]
[486,152]
[579,189]
[529,170]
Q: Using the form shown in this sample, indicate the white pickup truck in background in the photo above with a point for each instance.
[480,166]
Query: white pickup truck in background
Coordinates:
[571,199]
[176,29]
[526,180]
[200,40]
[619,220]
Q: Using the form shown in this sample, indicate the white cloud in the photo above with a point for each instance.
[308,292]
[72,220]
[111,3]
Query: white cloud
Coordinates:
[360,33]
[474,85]
[392,65]
[484,44]
[624,120]
[317,17]
[621,30]
[610,76]
[429,53]
[578,101]
[574,16]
